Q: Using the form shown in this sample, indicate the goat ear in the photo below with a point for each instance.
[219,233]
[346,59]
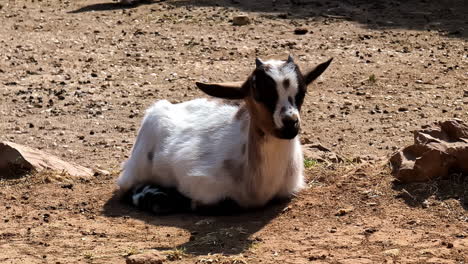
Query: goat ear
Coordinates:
[317,71]
[231,90]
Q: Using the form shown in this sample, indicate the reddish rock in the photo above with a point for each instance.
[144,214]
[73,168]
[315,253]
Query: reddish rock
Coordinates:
[438,150]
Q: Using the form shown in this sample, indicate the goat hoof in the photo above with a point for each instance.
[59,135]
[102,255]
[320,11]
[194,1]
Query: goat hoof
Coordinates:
[158,200]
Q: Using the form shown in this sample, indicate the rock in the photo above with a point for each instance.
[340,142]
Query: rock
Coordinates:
[152,257]
[301,31]
[17,159]
[465,93]
[403,109]
[344,211]
[240,20]
[98,172]
[392,252]
[437,150]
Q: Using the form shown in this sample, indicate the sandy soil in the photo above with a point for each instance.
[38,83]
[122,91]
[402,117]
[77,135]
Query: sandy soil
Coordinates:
[76,77]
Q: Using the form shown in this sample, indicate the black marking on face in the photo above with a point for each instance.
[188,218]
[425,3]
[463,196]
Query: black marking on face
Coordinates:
[290,100]
[286,83]
[283,109]
[301,89]
[264,90]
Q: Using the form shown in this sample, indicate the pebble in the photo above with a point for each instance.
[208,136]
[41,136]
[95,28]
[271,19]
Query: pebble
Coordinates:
[403,109]
[344,211]
[301,31]
[392,252]
[240,20]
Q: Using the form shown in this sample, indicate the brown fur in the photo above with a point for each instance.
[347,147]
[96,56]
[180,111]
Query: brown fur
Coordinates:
[241,113]
[260,116]
[235,170]
[254,162]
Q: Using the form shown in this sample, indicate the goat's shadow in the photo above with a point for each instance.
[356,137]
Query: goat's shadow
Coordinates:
[112,6]
[212,231]
[453,187]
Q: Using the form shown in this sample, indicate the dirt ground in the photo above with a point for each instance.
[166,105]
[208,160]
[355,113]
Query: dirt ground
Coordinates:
[76,77]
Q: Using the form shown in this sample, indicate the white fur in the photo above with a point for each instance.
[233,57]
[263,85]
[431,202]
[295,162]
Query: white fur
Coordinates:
[190,143]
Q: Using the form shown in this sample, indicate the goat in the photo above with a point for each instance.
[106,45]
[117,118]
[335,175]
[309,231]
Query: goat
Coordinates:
[203,152]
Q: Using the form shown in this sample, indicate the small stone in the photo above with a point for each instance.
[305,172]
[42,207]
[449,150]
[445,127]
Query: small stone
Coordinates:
[392,252]
[465,93]
[370,230]
[99,172]
[240,20]
[344,211]
[152,257]
[301,31]
[403,109]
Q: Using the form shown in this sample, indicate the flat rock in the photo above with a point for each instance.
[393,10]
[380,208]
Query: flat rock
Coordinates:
[438,149]
[152,257]
[18,158]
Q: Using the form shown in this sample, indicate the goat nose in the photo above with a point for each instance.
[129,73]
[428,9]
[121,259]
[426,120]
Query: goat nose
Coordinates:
[291,121]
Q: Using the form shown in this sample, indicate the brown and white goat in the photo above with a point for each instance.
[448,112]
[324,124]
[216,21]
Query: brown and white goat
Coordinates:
[208,151]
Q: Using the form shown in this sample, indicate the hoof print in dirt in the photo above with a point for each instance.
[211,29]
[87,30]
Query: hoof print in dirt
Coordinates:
[438,150]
